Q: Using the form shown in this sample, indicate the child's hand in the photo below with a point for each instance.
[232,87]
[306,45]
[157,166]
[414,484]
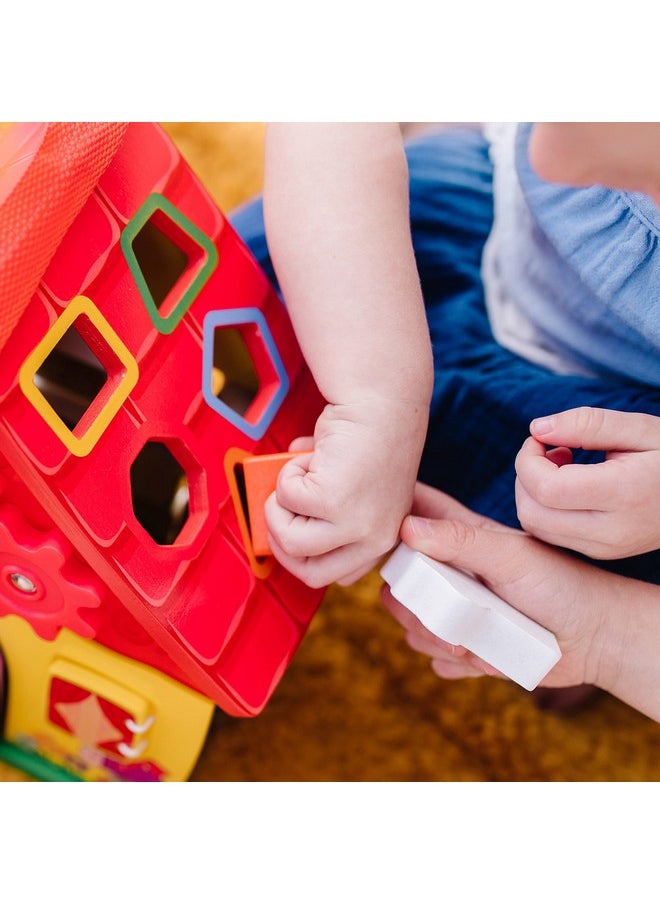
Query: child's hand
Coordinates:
[607,510]
[336,511]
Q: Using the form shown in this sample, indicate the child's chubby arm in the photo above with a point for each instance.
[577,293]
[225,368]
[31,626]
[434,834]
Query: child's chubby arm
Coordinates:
[337,224]
[607,510]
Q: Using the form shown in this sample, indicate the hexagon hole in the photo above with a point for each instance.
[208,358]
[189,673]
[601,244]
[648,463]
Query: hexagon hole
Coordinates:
[160,492]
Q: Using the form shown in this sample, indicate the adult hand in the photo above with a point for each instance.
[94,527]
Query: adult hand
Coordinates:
[571,598]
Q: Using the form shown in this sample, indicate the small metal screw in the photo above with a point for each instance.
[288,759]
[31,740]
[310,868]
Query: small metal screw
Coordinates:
[22,583]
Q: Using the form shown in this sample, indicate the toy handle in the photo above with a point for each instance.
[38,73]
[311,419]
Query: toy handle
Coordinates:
[19,146]
[47,173]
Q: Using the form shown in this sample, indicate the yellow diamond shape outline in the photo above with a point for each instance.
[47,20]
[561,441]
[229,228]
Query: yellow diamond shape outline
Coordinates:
[79,445]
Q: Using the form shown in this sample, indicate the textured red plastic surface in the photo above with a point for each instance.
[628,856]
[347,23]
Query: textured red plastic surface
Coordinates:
[195,608]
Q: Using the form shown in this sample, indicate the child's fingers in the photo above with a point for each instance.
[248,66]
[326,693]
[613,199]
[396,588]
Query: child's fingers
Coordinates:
[302,444]
[560,527]
[352,576]
[325,568]
[566,486]
[599,428]
[297,491]
[300,535]
[600,535]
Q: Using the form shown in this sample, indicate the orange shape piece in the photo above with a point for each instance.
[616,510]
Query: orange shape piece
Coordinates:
[260,475]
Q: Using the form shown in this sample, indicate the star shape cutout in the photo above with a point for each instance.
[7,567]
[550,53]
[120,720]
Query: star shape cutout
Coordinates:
[87,721]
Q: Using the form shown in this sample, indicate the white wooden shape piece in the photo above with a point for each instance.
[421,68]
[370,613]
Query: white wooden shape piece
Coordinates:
[459,609]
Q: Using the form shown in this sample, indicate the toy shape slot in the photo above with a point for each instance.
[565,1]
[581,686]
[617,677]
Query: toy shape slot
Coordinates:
[160,493]
[239,478]
[160,259]
[242,507]
[71,378]
[244,377]
[234,377]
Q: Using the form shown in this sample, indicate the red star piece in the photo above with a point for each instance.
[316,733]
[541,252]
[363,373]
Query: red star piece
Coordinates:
[88,722]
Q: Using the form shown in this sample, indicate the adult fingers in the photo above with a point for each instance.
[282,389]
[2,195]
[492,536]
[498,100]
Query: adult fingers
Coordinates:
[514,565]
[453,669]
[419,637]
[431,503]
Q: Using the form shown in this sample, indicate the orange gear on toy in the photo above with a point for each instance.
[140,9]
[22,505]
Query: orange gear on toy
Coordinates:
[42,580]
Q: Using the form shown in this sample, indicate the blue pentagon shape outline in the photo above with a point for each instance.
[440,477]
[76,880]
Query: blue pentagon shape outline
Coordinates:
[240,317]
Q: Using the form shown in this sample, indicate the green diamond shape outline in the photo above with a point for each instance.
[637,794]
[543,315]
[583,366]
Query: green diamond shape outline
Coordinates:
[155,202]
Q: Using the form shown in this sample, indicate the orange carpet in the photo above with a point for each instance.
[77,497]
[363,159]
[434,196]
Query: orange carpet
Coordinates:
[356,703]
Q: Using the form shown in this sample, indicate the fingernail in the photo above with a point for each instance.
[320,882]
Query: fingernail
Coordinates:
[542,425]
[422,527]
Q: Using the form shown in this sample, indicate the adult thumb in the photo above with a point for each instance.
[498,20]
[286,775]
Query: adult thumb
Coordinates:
[498,556]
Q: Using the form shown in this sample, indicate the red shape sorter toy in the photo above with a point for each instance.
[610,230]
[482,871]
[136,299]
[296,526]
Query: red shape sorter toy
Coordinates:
[149,357]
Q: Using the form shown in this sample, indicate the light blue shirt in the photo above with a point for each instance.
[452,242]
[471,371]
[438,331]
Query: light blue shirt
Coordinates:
[572,275]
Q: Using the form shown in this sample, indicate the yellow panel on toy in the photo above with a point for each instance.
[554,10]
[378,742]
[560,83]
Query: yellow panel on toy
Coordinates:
[95,714]
[83,334]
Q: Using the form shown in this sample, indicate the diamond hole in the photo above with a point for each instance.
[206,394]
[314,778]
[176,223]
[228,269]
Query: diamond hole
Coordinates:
[170,258]
[160,493]
[234,378]
[79,375]
[160,259]
[71,377]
